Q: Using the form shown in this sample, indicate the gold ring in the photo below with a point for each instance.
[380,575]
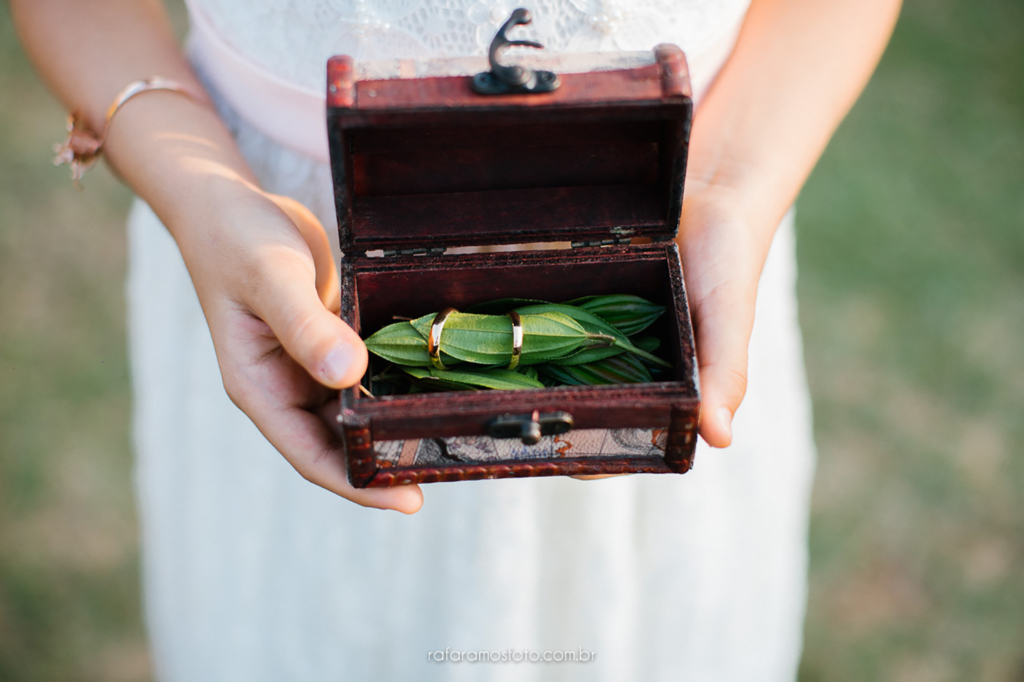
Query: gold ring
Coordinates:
[517,338]
[434,339]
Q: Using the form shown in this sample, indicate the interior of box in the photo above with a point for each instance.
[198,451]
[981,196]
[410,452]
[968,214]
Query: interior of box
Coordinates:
[460,282]
[475,184]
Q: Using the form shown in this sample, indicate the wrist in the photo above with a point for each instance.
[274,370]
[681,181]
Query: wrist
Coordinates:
[744,187]
[716,213]
[177,155]
[207,211]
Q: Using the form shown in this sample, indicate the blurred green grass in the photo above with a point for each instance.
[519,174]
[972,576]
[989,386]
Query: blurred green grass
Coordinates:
[911,249]
[69,597]
[912,300]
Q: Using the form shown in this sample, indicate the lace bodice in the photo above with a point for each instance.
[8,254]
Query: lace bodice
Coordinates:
[294,38]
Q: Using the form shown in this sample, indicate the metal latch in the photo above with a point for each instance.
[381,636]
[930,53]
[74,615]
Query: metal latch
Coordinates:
[508,80]
[530,427]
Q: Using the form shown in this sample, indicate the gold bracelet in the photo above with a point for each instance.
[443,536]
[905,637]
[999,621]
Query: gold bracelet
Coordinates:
[83,148]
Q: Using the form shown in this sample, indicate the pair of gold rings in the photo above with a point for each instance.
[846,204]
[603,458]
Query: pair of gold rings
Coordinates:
[437,326]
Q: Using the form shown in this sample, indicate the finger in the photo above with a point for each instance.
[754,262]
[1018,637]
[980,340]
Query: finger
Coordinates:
[285,297]
[313,450]
[722,262]
[317,456]
[319,246]
[286,405]
[723,321]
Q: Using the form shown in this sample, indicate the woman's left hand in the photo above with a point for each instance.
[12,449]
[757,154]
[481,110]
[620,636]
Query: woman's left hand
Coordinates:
[723,252]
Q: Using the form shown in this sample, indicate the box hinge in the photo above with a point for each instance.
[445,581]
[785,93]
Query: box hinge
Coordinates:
[433,251]
[617,241]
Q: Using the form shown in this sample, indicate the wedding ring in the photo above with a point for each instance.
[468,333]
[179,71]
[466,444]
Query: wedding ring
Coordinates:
[517,338]
[434,339]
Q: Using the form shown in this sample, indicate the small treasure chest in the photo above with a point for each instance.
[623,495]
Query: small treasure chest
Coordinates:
[590,152]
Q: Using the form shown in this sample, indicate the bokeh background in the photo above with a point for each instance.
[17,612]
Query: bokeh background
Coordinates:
[911,250]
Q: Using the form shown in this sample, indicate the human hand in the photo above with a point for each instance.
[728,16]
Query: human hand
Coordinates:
[267,282]
[723,251]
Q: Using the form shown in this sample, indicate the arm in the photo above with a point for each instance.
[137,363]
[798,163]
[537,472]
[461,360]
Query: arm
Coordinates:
[796,70]
[261,264]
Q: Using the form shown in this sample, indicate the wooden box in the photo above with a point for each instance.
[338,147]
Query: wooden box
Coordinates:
[422,165]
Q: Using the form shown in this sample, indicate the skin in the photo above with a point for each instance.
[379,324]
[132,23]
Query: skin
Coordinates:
[261,263]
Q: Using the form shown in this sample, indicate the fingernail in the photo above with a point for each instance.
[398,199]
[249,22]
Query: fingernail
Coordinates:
[725,419]
[337,362]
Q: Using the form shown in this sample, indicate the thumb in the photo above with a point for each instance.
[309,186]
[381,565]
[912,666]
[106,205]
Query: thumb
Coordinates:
[723,321]
[722,299]
[722,261]
[312,335]
[319,246]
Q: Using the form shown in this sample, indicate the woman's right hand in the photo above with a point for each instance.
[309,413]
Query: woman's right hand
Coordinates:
[260,263]
[267,282]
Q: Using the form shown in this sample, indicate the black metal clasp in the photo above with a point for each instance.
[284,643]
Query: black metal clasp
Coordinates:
[507,80]
[530,427]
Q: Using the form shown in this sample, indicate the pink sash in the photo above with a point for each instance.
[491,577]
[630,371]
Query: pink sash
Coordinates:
[294,116]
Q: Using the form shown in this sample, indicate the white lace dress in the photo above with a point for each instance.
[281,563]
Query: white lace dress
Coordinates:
[253,574]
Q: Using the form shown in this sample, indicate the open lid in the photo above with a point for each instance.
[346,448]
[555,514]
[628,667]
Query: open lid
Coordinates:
[422,161]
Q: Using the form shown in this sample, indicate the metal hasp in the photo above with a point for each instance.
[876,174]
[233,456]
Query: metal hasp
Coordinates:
[530,427]
[508,80]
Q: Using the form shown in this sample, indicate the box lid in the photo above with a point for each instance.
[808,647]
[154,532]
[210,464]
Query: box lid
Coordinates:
[421,161]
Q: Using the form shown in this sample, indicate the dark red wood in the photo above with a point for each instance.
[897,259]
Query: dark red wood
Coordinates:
[647,110]
[427,163]
[375,289]
[590,466]
[341,82]
[358,442]
[468,414]
[604,87]
[414,285]
[463,169]
[675,84]
[512,216]
[675,74]
[682,437]
[509,138]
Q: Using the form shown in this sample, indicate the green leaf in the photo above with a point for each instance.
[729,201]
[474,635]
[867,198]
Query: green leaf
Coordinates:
[493,378]
[530,371]
[480,339]
[553,334]
[595,325]
[588,355]
[500,306]
[647,342]
[561,376]
[426,381]
[627,313]
[401,344]
[569,345]
[621,369]
[487,339]
[591,323]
